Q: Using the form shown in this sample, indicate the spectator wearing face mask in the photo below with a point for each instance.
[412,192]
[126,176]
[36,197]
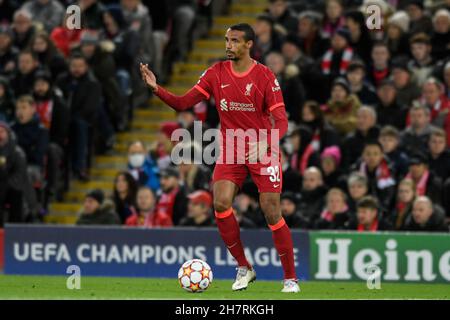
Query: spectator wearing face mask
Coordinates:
[142,167]
[426,217]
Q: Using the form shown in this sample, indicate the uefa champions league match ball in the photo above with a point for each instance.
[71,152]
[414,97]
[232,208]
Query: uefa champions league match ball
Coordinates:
[195,275]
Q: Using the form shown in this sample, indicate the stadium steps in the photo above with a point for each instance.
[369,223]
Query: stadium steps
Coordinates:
[146,123]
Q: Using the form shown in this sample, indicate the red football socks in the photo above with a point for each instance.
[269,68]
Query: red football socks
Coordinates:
[283,243]
[231,235]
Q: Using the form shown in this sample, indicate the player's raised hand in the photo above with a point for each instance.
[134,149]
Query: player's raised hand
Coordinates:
[148,76]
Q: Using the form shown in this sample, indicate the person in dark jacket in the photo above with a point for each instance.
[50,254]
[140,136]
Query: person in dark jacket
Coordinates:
[91,15]
[441,34]
[83,93]
[15,185]
[23,29]
[199,210]
[368,217]
[379,68]
[336,213]
[292,179]
[359,34]
[304,153]
[97,210]
[314,45]
[312,195]
[389,112]
[267,38]
[407,88]
[426,217]
[356,73]
[22,81]
[439,154]
[357,188]
[390,141]
[124,195]
[282,15]
[406,193]
[8,53]
[7,103]
[333,174]
[289,211]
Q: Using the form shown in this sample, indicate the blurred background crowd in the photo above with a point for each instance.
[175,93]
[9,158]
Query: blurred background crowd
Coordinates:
[369,112]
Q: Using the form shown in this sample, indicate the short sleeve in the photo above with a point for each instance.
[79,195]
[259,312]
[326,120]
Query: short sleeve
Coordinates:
[273,97]
[205,82]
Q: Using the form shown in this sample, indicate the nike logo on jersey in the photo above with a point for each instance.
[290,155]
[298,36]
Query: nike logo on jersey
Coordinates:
[224,85]
[276,185]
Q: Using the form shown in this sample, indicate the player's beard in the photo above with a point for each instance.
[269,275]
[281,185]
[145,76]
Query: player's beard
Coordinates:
[233,57]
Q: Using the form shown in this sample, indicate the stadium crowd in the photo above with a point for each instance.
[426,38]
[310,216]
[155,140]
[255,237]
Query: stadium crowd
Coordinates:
[369,112]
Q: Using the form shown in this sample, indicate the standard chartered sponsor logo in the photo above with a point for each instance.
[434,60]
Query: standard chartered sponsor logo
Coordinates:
[223,105]
[236,106]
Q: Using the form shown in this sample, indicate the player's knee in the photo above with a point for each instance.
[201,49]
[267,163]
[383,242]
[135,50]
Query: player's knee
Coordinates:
[220,205]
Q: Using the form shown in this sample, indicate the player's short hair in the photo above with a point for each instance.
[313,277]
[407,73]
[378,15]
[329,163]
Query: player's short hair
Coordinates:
[249,33]
[368,202]
[390,131]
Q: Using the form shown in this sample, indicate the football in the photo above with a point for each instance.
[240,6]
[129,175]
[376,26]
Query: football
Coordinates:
[195,275]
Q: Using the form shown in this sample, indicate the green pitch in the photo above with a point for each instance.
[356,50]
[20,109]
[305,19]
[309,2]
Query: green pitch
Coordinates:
[45,287]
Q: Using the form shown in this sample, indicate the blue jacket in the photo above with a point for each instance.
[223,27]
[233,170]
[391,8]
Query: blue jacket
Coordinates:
[148,174]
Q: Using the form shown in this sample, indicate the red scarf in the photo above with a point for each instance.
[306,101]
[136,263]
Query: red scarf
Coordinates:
[421,186]
[45,109]
[380,75]
[328,216]
[373,227]
[345,60]
[382,174]
[166,203]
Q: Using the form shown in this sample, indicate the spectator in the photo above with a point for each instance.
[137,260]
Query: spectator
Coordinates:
[173,200]
[406,194]
[291,177]
[32,137]
[439,154]
[91,14]
[243,221]
[96,211]
[340,111]
[427,184]
[282,16]
[15,186]
[6,101]
[334,18]
[419,20]
[336,214]
[66,39]
[22,81]
[356,74]
[358,187]
[124,195]
[422,63]
[369,217]
[195,176]
[146,214]
[397,33]
[426,217]
[417,135]
[304,153]
[7,9]
[267,38]
[48,56]
[441,34]
[290,84]
[446,76]
[390,141]
[8,53]
[388,110]
[247,204]
[314,45]
[162,147]
[380,68]
[407,89]
[48,13]
[312,195]
[85,97]
[366,130]
[379,172]
[23,29]
[333,175]
[360,39]
[142,166]
[289,211]
[199,210]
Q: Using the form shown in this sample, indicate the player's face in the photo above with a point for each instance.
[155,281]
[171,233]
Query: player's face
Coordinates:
[235,45]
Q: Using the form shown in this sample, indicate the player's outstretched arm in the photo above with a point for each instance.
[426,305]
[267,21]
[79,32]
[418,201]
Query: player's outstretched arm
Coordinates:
[179,103]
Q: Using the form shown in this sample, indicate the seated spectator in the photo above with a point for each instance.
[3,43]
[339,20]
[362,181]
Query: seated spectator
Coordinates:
[324,135]
[439,105]
[406,193]
[416,136]
[358,188]
[304,154]
[426,217]
[242,220]
[333,174]
[439,154]
[267,38]
[313,44]
[173,200]
[195,176]
[397,33]
[441,34]
[340,111]
[333,19]
[446,76]
[426,182]
[32,137]
[7,9]
[15,185]
[146,214]
[379,172]
[366,130]
[312,195]
[22,80]
[8,53]
[289,211]
[247,204]
[290,84]
[419,20]
[142,167]
[407,88]
[356,74]
[390,141]
[7,103]
[369,217]
[422,64]
[199,210]
[65,38]
[283,16]
[97,211]
[388,110]
[336,214]
[292,179]
[48,56]
[23,29]
[91,13]
[380,68]
[48,13]
[162,147]
[124,195]
[360,39]
[85,95]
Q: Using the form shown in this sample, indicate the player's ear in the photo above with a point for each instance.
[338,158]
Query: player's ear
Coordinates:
[249,44]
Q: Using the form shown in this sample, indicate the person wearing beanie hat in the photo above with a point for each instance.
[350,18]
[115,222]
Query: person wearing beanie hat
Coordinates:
[401,20]
[397,33]
[441,34]
[330,165]
[289,203]
[97,211]
[47,13]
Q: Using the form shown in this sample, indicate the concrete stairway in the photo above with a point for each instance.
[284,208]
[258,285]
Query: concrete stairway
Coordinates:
[146,122]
